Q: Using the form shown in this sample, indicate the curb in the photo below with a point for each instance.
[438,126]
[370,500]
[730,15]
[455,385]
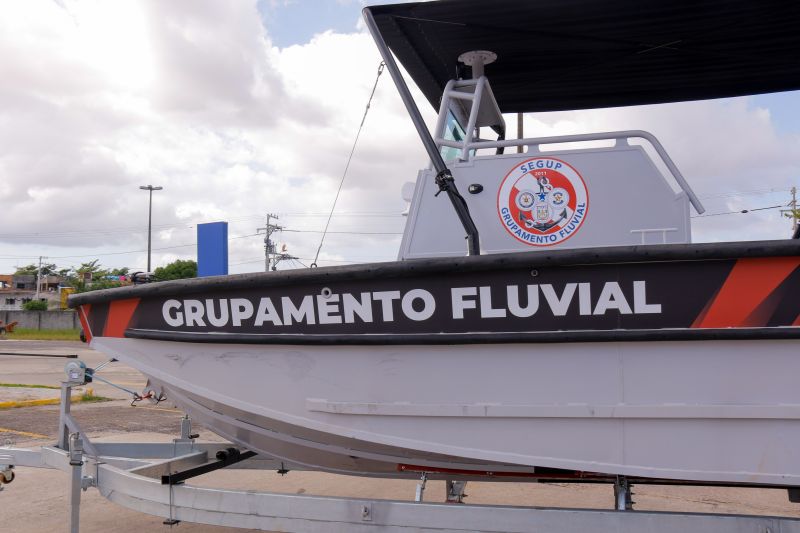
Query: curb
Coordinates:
[30,403]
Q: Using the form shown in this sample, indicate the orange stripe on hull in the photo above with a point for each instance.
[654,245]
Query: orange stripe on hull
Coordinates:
[120,313]
[83,313]
[744,299]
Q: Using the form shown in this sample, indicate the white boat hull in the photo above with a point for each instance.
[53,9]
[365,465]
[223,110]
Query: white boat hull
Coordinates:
[717,411]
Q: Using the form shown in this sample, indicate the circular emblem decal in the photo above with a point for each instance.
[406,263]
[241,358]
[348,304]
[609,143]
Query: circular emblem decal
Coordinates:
[542,201]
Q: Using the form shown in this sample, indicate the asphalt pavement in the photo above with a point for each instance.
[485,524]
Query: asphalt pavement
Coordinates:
[39,369]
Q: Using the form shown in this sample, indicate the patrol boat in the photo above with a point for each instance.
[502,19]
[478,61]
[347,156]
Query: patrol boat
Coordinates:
[564,337]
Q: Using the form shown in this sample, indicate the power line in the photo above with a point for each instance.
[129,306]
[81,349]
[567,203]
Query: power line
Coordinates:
[353,214]
[740,212]
[345,232]
[184,226]
[732,194]
[298,259]
[188,245]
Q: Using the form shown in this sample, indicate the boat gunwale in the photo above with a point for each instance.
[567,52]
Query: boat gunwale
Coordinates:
[415,267]
[526,337]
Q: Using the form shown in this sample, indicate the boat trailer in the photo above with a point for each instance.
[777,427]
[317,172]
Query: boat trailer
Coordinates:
[150,478]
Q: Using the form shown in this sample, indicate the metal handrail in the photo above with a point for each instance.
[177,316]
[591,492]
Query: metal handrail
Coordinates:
[615,135]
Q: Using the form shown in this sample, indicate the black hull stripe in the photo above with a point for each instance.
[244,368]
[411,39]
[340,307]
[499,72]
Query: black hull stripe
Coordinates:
[654,335]
[448,265]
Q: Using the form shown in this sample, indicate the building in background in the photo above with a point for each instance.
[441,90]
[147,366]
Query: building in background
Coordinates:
[16,291]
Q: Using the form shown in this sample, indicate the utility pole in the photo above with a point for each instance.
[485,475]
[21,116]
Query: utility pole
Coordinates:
[149,219]
[793,212]
[39,278]
[271,256]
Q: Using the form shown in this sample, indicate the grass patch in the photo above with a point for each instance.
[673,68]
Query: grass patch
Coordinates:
[26,334]
[24,386]
[89,396]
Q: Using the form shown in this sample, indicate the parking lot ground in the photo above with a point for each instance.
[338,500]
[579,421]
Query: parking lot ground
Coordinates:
[42,370]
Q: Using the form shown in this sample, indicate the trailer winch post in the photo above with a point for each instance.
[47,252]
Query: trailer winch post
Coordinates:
[76,481]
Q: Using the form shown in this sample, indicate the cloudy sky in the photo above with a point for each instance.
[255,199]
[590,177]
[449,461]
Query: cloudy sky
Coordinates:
[247,107]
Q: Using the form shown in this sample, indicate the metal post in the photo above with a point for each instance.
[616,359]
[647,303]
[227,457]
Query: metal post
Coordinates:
[75,483]
[149,229]
[623,500]
[420,492]
[444,179]
[64,409]
[38,278]
[792,213]
[149,188]
[269,246]
[455,491]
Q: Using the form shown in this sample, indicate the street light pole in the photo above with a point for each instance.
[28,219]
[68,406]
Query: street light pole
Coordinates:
[149,219]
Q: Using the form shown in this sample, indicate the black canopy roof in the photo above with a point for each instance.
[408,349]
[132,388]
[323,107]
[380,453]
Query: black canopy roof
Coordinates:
[576,54]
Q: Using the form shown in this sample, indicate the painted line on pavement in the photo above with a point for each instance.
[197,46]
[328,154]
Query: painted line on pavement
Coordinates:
[158,408]
[24,433]
[31,403]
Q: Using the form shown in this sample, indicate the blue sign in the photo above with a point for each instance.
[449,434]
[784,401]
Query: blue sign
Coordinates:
[212,249]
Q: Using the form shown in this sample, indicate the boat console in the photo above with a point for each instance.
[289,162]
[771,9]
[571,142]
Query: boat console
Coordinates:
[573,191]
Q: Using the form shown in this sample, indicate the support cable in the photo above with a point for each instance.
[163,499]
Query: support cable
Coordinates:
[350,158]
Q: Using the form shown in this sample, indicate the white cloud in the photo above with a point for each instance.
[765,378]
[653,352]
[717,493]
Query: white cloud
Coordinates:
[720,147]
[193,97]
[100,98]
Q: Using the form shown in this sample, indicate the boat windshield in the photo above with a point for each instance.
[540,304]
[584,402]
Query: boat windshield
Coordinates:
[453,131]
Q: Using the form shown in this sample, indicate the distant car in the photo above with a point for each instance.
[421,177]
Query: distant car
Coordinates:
[142,277]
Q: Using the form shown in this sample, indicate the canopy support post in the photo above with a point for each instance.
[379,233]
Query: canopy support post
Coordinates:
[444,178]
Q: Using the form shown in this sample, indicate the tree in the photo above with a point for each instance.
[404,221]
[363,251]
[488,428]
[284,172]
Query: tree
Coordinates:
[48,269]
[77,277]
[96,285]
[35,305]
[792,213]
[96,277]
[92,268]
[180,269]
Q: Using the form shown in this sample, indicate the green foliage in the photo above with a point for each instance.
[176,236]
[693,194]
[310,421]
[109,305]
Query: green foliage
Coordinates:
[35,305]
[180,269]
[76,277]
[28,386]
[95,285]
[31,270]
[92,267]
[98,275]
